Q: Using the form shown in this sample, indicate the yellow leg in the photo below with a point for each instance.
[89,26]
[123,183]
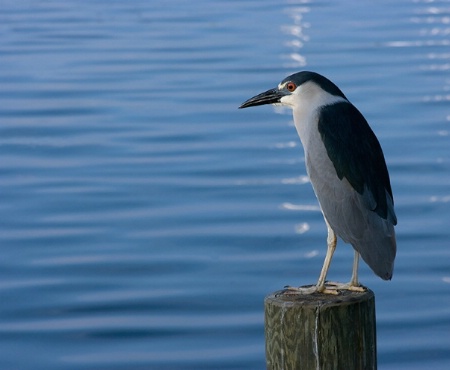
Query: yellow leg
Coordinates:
[320,286]
[353,285]
[330,287]
[354,281]
[331,247]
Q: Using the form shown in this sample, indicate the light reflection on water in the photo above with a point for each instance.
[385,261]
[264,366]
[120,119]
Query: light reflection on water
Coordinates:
[143,218]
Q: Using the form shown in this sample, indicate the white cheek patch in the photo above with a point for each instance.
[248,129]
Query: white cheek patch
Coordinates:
[287,100]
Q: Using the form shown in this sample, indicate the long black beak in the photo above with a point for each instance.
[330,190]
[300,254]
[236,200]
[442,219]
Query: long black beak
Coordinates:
[268,97]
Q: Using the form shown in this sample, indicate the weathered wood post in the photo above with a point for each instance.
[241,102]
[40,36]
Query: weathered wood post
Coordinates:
[320,331]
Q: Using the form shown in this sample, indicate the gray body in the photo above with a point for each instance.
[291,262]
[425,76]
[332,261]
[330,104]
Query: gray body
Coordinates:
[345,164]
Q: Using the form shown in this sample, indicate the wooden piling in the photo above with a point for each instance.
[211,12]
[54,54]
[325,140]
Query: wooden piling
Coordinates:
[320,331]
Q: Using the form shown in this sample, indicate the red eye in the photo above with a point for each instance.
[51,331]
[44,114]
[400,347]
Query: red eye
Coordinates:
[291,86]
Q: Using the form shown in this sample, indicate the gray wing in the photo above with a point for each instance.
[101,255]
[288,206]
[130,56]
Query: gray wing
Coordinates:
[358,202]
[357,155]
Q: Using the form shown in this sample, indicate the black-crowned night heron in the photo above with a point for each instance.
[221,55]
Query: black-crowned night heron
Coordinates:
[346,166]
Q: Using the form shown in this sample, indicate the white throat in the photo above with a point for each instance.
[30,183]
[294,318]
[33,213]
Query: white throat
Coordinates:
[306,102]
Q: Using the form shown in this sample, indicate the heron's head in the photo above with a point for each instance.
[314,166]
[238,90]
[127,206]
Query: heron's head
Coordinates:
[298,89]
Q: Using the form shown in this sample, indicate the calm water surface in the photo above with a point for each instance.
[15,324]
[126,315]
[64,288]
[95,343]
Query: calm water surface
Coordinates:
[143,218]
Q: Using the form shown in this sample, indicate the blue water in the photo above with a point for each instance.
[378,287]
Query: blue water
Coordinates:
[144,218]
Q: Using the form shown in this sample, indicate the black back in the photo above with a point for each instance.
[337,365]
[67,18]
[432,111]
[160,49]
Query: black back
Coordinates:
[356,153]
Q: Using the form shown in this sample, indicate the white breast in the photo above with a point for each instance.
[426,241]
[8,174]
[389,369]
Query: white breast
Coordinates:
[306,103]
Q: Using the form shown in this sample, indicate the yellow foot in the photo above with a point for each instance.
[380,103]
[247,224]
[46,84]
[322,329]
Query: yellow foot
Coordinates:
[347,286]
[300,290]
[309,290]
[328,288]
